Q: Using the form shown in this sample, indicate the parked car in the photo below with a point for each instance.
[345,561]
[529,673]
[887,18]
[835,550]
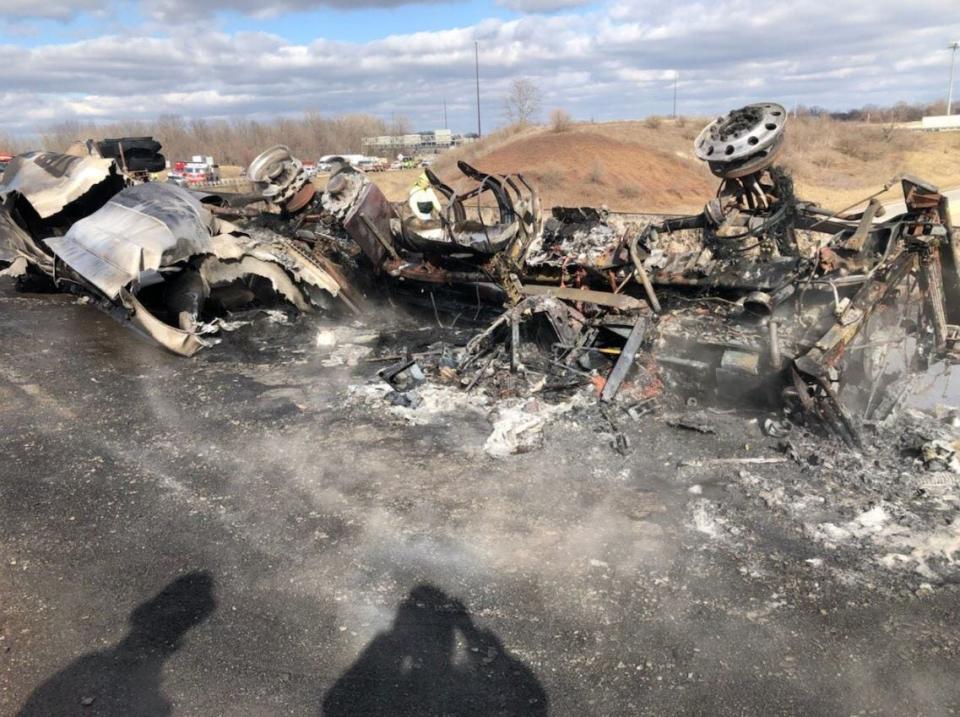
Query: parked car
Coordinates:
[370,164]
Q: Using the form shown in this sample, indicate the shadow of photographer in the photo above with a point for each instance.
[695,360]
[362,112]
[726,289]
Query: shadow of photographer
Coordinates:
[126,679]
[435,661]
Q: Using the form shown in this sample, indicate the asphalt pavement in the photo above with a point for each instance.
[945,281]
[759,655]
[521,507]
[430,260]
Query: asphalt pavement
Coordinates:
[234,534]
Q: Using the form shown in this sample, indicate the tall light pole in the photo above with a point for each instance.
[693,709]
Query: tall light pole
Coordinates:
[476,64]
[676,76]
[953,56]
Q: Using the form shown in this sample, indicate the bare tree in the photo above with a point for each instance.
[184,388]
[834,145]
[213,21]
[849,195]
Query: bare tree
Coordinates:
[400,124]
[523,101]
[236,142]
[560,120]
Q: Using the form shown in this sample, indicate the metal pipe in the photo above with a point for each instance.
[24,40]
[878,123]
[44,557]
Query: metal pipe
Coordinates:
[514,342]
[641,273]
[379,237]
[776,357]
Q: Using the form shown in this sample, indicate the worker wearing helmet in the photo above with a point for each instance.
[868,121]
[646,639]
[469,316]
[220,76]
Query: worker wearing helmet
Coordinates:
[423,201]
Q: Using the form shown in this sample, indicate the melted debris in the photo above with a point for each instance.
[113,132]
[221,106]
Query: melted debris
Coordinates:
[824,323]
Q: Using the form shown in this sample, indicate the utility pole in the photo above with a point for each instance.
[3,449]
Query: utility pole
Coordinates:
[476,61]
[953,56]
[445,125]
[676,76]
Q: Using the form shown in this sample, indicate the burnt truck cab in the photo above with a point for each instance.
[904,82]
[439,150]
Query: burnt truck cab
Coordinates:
[476,235]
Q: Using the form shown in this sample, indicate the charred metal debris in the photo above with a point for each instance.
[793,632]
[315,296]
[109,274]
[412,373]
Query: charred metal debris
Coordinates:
[761,296]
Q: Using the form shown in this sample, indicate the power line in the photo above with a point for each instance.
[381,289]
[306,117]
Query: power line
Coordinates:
[676,76]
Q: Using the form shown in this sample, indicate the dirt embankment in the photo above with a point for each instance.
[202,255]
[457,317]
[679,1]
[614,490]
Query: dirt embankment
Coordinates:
[587,168]
[649,165]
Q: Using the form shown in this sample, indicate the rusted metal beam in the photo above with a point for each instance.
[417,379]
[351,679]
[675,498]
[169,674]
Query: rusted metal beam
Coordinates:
[600,298]
[625,362]
[642,277]
[829,349]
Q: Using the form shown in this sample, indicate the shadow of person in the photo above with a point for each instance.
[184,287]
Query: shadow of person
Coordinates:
[435,661]
[125,679]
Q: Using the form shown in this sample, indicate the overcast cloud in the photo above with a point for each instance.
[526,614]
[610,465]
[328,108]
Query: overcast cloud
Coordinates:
[541,5]
[617,60]
[177,11]
[52,10]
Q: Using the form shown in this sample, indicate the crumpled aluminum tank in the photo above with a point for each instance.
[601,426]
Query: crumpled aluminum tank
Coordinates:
[143,228]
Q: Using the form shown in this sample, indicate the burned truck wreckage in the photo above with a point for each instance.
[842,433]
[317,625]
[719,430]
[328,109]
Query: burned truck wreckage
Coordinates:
[761,295]
[152,254]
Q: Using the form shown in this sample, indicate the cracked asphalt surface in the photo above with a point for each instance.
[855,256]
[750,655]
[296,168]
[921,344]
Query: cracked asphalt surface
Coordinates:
[233,535]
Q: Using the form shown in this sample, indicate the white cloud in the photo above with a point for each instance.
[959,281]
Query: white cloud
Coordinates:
[178,11]
[536,6]
[63,10]
[616,62]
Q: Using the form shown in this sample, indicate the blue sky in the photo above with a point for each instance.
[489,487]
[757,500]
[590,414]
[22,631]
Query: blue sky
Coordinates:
[302,26]
[603,59]
[373,23]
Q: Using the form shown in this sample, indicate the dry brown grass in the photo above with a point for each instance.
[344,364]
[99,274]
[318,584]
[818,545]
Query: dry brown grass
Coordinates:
[550,177]
[837,163]
[395,184]
[597,173]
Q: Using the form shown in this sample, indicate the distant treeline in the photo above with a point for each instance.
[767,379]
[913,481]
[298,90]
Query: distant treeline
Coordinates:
[312,135]
[900,112]
[235,141]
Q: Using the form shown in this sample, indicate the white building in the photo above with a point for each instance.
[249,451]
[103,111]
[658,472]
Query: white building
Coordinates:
[415,143]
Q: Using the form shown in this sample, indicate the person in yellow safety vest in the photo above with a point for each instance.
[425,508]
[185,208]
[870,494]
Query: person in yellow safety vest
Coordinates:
[423,201]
